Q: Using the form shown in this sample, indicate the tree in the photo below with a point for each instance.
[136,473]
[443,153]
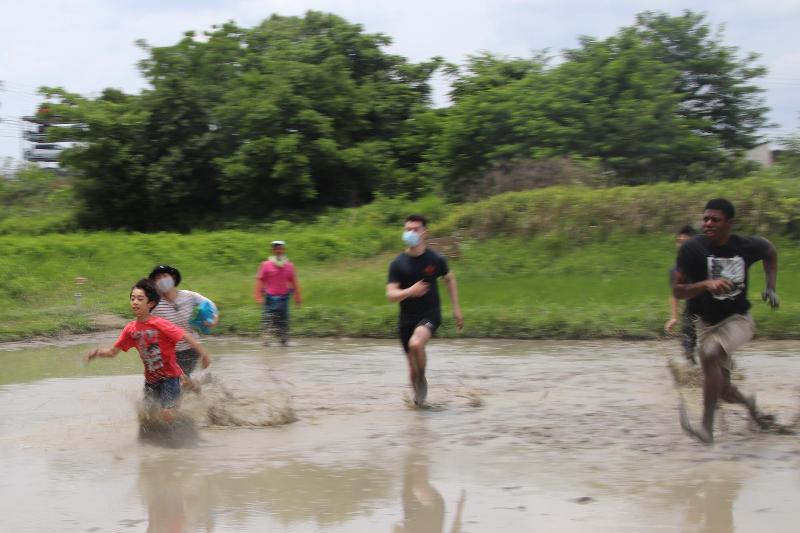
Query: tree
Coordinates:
[660,100]
[298,112]
[615,100]
[715,84]
[486,71]
[321,116]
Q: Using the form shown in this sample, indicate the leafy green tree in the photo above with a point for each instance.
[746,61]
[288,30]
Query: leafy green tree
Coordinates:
[614,100]
[486,71]
[660,100]
[298,112]
[105,164]
[714,82]
[321,116]
[479,130]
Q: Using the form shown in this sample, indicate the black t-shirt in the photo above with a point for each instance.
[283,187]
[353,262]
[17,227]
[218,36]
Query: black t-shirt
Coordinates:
[699,260]
[407,270]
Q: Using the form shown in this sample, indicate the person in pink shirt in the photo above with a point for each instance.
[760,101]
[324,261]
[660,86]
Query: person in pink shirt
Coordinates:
[276,282]
[155,339]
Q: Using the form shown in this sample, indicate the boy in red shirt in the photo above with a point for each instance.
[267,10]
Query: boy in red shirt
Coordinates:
[155,339]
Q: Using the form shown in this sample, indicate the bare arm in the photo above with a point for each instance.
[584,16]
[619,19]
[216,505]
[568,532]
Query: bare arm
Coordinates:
[771,267]
[395,294]
[685,291]
[452,289]
[673,317]
[770,262]
[108,352]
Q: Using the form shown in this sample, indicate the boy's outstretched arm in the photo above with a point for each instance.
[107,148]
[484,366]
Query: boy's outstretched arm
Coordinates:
[108,352]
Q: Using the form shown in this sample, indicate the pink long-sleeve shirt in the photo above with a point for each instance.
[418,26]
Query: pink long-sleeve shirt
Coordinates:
[277,281]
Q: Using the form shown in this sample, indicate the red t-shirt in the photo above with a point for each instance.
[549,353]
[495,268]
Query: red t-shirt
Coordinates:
[155,339]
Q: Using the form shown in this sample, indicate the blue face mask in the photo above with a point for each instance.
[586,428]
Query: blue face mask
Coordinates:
[411,238]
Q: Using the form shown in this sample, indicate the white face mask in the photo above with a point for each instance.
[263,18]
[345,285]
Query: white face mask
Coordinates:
[165,284]
[411,238]
[279,260]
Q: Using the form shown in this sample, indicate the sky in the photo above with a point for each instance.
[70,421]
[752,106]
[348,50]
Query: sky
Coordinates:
[88,45]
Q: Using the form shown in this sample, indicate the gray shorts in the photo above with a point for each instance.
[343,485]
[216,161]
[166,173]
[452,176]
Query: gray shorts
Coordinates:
[731,333]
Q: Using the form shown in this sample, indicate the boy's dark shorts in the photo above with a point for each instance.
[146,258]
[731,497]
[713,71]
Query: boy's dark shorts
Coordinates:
[166,392]
[187,360]
[407,330]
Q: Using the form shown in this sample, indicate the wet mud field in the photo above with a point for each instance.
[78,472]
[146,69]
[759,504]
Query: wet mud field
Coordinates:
[519,436]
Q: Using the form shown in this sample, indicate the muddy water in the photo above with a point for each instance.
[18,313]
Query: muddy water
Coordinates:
[519,436]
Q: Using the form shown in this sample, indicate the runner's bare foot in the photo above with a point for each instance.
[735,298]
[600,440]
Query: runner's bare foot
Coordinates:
[701,434]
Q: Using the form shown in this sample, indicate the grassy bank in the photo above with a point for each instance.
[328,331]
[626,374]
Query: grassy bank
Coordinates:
[510,287]
[554,263]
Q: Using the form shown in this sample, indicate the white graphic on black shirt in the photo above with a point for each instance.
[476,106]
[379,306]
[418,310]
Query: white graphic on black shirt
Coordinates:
[730,268]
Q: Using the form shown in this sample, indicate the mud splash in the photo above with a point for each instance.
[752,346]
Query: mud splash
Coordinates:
[213,404]
[179,432]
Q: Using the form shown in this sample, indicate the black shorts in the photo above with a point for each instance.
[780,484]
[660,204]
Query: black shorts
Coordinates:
[407,330]
[187,360]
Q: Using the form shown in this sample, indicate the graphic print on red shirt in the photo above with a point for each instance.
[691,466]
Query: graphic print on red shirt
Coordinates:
[155,341]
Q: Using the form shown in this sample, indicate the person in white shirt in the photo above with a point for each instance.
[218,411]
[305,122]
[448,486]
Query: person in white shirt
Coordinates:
[178,306]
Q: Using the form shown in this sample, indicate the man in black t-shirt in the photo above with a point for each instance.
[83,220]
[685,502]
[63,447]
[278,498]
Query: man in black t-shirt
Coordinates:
[712,274]
[412,282]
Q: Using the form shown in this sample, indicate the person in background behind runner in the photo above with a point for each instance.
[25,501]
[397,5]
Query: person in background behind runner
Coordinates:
[178,306]
[712,274]
[688,334]
[412,282]
[276,282]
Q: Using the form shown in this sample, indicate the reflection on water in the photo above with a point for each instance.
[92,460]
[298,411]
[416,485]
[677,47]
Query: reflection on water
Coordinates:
[186,496]
[710,502]
[524,436]
[176,496]
[423,505]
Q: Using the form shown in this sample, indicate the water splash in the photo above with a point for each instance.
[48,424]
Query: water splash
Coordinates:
[216,405]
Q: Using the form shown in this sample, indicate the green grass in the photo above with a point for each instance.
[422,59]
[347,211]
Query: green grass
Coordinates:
[509,287]
[561,262]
